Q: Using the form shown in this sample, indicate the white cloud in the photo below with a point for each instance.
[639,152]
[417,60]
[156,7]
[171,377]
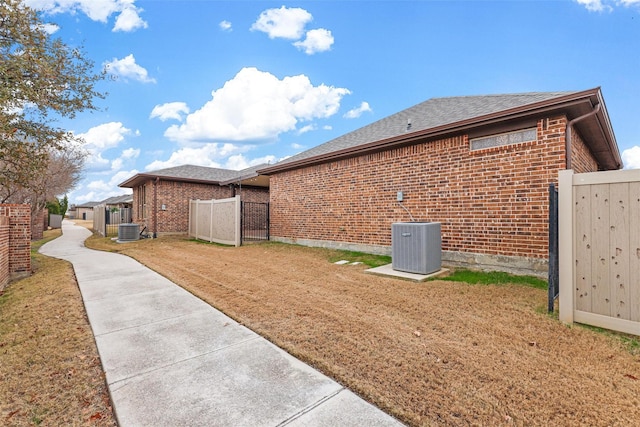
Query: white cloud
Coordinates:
[256,105]
[49,28]
[594,5]
[122,176]
[128,18]
[297,146]
[225,26]
[357,112]
[239,162]
[631,157]
[103,189]
[208,155]
[127,154]
[318,40]
[128,69]
[99,139]
[286,23]
[104,136]
[130,153]
[170,110]
[307,128]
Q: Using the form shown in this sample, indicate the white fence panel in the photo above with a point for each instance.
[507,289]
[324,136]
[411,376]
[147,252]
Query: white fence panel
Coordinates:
[599,223]
[215,220]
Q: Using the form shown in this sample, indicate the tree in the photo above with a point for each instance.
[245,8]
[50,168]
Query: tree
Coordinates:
[41,81]
[64,205]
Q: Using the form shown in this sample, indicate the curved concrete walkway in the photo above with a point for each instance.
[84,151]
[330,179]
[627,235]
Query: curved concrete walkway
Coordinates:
[172,360]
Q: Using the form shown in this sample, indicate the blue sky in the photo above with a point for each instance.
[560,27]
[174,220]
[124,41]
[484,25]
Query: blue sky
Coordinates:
[235,83]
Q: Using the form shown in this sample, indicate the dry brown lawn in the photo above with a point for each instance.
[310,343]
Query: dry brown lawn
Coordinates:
[435,353]
[50,373]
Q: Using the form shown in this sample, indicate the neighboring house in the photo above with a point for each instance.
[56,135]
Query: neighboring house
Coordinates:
[479,165]
[117,211]
[85,210]
[161,198]
[119,202]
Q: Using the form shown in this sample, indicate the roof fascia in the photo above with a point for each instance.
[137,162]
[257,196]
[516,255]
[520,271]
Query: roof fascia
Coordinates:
[132,182]
[538,108]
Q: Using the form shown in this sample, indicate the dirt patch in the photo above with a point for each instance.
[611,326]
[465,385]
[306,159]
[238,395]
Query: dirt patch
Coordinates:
[50,373]
[435,353]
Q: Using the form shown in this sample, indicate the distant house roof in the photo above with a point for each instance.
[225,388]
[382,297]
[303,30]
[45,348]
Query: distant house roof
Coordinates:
[88,205]
[439,117]
[201,174]
[115,200]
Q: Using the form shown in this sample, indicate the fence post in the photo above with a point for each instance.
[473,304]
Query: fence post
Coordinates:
[565,246]
[189,219]
[238,220]
[553,247]
[212,211]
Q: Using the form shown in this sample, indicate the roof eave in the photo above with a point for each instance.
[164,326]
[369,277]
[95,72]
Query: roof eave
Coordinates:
[559,103]
[137,179]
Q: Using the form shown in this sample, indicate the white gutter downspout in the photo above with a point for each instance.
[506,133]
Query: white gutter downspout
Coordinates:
[569,133]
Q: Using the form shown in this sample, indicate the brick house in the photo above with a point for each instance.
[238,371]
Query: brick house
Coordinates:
[84,211]
[161,198]
[479,165]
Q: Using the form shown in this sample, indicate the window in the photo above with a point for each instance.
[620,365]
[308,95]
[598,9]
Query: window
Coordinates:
[142,202]
[508,138]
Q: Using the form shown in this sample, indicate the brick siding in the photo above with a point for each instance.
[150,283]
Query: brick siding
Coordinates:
[16,246]
[492,201]
[582,161]
[4,251]
[175,196]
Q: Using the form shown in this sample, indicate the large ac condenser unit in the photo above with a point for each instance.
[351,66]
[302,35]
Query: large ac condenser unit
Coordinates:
[128,232]
[416,247]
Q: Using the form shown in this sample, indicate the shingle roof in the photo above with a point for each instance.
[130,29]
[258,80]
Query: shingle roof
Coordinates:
[126,198]
[433,113]
[196,174]
[88,205]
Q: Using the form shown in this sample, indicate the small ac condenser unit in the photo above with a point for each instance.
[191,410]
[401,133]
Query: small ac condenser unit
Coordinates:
[416,247]
[128,232]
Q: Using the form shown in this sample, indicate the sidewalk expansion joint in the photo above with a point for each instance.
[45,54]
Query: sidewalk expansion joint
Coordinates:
[310,408]
[114,385]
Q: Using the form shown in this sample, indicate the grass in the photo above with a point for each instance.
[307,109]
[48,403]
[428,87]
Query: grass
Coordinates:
[494,278]
[50,373]
[367,259]
[430,353]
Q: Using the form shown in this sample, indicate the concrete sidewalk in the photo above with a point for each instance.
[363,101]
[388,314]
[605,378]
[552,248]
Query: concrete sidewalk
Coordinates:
[172,360]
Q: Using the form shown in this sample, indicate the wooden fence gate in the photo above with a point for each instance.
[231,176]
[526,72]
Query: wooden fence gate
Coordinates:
[599,226]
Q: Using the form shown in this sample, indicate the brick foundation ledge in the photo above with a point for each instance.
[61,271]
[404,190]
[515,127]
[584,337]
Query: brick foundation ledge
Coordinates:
[538,267]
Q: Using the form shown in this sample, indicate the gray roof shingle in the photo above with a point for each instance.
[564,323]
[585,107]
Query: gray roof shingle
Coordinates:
[430,114]
[196,173]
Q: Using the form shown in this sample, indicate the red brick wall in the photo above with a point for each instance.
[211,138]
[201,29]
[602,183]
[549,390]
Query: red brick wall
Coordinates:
[491,201]
[19,246]
[4,251]
[582,160]
[176,195]
[253,194]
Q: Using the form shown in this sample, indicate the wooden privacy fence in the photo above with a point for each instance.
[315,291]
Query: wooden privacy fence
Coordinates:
[215,220]
[599,226]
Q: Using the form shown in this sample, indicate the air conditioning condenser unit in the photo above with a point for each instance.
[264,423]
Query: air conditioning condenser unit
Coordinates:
[416,247]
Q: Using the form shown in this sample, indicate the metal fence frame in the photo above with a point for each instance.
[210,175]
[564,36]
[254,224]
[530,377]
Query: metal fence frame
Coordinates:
[255,221]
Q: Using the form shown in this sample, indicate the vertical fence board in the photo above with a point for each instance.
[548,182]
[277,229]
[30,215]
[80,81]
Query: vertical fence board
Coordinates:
[601,295]
[583,248]
[619,250]
[634,251]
